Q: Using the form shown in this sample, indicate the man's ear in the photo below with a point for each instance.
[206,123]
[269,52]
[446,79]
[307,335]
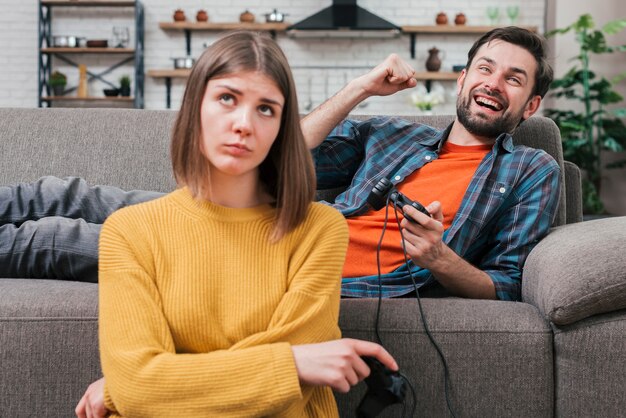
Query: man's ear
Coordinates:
[531,107]
[460,81]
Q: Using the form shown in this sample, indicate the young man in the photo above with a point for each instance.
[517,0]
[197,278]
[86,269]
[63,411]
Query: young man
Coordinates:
[491,201]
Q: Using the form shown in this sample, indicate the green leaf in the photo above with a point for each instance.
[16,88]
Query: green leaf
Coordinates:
[584,22]
[618,78]
[614,26]
[620,113]
[611,144]
[595,42]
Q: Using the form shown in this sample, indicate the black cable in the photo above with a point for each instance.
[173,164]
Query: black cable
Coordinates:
[380,292]
[426,329]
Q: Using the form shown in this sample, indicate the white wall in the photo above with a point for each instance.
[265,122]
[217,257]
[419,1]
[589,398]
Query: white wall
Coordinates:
[18,44]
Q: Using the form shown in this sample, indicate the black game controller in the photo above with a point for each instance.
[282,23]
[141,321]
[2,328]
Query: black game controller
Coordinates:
[384,388]
[378,198]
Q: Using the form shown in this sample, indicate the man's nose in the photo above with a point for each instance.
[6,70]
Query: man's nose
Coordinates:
[494,81]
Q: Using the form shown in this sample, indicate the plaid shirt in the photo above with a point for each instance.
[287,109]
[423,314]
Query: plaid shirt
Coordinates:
[507,208]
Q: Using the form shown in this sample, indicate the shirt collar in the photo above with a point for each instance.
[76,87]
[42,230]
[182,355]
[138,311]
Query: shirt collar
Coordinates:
[503,141]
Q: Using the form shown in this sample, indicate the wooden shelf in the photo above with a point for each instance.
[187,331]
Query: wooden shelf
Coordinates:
[454,29]
[198,26]
[163,73]
[66,50]
[91,3]
[86,99]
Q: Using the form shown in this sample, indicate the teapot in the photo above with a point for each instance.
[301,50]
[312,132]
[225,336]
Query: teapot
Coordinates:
[275,16]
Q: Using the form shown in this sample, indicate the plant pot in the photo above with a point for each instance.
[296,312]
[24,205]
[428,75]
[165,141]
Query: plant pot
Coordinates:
[58,90]
[125,91]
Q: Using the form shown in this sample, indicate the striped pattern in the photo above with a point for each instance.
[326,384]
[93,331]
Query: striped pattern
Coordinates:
[198,311]
[508,206]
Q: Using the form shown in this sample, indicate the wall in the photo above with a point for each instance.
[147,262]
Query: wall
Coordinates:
[18,43]
[562,13]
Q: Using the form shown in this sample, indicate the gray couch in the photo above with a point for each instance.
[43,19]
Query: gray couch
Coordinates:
[560,352]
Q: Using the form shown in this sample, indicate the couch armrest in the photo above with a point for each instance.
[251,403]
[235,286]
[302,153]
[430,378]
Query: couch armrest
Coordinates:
[573,193]
[578,270]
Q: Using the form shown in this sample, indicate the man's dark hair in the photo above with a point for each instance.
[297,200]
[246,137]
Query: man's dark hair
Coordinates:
[530,41]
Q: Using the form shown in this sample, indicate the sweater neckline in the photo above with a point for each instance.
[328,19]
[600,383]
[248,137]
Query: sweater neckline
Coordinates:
[202,209]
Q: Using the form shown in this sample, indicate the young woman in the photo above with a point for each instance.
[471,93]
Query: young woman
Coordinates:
[222,298]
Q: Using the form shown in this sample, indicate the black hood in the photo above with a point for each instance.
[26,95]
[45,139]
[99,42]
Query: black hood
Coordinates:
[344,15]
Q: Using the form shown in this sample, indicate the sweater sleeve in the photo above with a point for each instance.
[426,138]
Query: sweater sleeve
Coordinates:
[309,311]
[256,376]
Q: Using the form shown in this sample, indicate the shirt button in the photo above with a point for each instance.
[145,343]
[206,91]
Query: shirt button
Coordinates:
[427,158]
[502,190]
[397,178]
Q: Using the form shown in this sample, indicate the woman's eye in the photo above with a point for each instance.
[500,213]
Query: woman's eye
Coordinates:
[226,98]
[266,110]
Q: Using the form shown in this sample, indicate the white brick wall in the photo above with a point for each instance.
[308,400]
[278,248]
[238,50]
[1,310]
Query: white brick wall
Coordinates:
[18,44]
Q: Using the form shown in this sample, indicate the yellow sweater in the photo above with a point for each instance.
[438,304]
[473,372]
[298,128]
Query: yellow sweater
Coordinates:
[198,310]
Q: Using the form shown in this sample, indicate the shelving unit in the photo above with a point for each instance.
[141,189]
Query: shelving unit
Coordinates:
[413,31]
[189,27]
[125,56]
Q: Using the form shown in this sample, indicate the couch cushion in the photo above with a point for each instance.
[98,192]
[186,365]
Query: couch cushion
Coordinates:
[499,355]
[578,270]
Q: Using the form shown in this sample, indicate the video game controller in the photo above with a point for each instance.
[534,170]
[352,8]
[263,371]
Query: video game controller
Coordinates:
[378,198]
[384,387]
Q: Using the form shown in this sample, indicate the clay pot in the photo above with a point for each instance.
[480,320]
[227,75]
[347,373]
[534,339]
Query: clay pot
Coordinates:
[433,63]
[442,19]
[460,19]
[179,16]
[246,17]
[202,16]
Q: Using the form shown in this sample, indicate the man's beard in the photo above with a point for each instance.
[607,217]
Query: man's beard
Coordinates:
[479,124]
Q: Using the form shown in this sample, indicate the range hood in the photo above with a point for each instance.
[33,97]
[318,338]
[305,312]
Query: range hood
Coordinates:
[344,16]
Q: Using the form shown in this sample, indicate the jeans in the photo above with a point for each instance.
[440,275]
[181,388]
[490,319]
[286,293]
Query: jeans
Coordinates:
[50,228]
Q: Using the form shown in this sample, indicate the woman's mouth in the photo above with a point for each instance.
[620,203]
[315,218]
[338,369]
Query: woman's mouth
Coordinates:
[237,149]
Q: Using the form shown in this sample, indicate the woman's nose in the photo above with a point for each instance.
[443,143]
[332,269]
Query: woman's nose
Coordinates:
[243,121]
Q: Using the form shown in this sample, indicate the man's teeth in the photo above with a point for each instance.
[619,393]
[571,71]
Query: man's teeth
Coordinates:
[485,101]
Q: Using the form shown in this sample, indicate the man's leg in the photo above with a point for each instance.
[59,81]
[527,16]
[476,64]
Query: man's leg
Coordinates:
[71,197]
[50,248]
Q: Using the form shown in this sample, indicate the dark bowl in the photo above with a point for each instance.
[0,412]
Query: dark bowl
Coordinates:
[111,92]
[97,43]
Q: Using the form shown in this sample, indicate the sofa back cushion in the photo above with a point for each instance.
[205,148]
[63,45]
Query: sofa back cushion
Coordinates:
[129,148]
[120,147]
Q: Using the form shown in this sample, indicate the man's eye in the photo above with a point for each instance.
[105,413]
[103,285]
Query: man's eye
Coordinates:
[515,80]
[266,110]
[483,68]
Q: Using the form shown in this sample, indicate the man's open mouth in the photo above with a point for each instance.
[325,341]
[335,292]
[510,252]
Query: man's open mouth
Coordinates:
[488,103]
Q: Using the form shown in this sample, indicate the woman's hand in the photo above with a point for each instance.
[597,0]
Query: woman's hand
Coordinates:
[91,405]
[338,363]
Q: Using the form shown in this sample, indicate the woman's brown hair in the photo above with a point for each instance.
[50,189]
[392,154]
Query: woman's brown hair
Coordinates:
[287,172]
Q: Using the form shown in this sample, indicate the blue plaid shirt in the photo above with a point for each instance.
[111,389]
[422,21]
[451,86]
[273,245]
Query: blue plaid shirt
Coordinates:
[507,208]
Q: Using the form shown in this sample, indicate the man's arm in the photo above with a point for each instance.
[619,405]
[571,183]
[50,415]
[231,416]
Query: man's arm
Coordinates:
[392,75]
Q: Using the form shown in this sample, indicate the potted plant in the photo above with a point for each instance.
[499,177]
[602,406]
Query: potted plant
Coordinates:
[594,129]
[125,86]
[57,81]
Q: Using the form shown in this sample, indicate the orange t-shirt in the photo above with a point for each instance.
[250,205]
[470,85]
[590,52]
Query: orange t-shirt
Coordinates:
[444,179]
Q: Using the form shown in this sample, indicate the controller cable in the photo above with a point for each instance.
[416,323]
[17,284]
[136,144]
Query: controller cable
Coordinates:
[419,303]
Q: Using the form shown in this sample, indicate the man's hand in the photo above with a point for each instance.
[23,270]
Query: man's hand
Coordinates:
[389,77]
[423,238]
[91,405]
[425,246]
[338,363]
